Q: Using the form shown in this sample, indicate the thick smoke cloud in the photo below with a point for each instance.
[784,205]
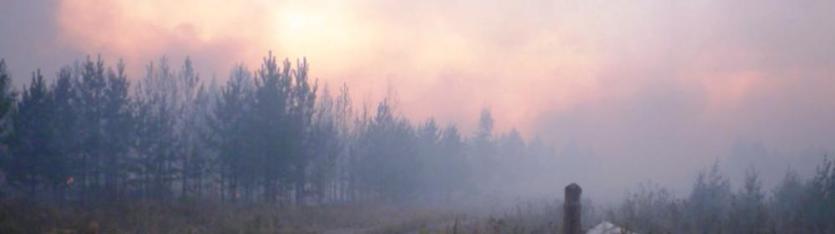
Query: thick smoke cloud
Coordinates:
[628,90]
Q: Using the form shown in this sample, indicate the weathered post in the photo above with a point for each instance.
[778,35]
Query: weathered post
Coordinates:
[571,210]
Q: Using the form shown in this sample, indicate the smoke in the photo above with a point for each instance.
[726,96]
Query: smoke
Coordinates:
[628,91]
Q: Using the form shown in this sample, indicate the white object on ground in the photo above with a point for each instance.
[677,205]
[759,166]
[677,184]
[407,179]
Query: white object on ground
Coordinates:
[608,228]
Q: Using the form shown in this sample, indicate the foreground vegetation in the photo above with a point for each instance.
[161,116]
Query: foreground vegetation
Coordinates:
[797,205]
[213,217]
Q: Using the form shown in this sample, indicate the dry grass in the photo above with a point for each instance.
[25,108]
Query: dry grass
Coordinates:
[17,216]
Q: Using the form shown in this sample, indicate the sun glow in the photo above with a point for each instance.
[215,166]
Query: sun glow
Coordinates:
[326,34]
[294,22]
[320,32]
[551,61]
[300,28]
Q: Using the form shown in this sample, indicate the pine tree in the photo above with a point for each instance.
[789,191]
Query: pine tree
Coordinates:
[748,209]
[157,142]
[193,160]
[7,106]
[7,103]
[64,123]
[456,168]
[105,115]
[819,204]
[386,161]
[34,162]
[709,201]
[325,144]
[275,143]
[227,132]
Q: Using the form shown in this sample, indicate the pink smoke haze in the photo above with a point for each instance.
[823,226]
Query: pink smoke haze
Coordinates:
[641,90]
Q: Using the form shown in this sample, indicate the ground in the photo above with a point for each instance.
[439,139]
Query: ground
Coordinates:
[18,216]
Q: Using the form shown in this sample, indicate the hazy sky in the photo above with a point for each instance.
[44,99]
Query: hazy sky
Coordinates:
[628,90]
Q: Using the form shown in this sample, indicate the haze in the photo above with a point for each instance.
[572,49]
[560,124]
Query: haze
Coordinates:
[627,91]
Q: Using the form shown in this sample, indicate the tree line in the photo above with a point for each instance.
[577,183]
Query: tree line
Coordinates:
[795,205]
[91,134]
[272,134]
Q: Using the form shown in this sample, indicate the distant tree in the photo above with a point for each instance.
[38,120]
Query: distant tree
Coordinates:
[385,162]
[275,143]
[510,161]
[118,119]
[34,162]
[709,201]
[190,110]
[157,144]
[748,212]
[227,133]
[104,117]
[302,112]
[431,161]
[820,200]
[7,103]
[787,202]
[482,151]
[650,209]
[455,169]
[326,144]
[41,159]
[267,135]
[64,124]
[344,120]
[485,126]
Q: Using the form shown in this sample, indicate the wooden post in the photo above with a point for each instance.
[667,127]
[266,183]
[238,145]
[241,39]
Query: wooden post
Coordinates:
[571,210]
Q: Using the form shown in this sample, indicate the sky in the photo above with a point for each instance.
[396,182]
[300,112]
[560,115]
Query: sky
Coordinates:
[627,91]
